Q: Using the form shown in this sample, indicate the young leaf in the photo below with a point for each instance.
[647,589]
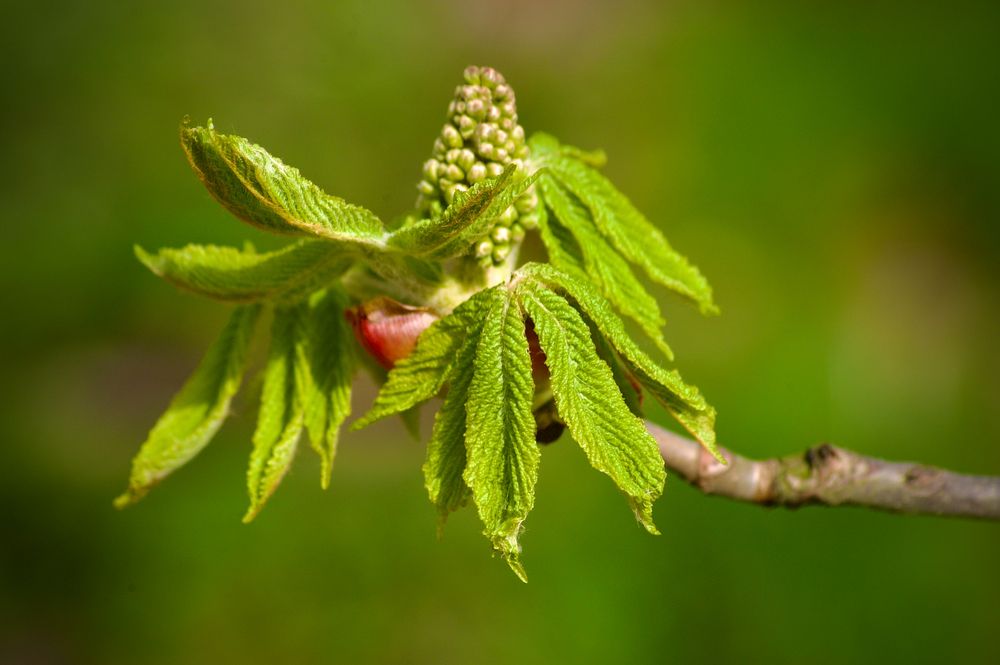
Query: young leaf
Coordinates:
[589,402]
[411,422]
[564,251]
[261,190]
[500,438]
[421,375]
[197,411]
[684,402]
[622,224]
[330,364]
[469,217]
[444,236]
[603,265]
[446,454]
[282,406]
[228,274]
[629,386]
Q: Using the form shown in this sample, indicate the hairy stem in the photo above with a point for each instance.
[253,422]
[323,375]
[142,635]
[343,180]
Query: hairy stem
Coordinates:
[831,476]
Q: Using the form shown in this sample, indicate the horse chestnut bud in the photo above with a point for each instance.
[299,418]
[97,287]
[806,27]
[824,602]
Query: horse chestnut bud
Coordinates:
[387,329]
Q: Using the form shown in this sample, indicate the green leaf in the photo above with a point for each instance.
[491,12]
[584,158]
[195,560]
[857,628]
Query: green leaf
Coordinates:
[500,438]
[197,411]
[422,374]
[628,385]
[564,251]
[469,217]
[684,402]
[411,422]
[446,455]
[281,418]
[261,190]
[615,440]
[228,274]
[329,358]
[621,223]
[603,265]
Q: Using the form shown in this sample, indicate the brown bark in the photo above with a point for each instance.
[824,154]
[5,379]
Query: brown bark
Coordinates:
[831,476]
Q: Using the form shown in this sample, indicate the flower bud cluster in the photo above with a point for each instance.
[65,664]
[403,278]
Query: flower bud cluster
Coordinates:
[481,137]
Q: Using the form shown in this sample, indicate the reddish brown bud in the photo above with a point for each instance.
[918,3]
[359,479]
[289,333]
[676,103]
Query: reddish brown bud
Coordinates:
[539,372]
[387,329]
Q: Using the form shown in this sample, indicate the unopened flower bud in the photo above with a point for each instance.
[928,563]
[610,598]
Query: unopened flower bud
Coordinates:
[451,137]
[476,173]
[485,132]
[500,235]
[431,170]
[529,221]
[500,253]
[466,125]
[490,77]
[484,248]
[508,216]
[527,202]
[476,109]
[479,140]
[465,160]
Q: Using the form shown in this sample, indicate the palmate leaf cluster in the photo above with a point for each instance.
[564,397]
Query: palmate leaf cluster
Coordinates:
[506,346]
[483,441]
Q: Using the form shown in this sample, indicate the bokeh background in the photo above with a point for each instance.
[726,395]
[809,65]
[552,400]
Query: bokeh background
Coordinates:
[833,170]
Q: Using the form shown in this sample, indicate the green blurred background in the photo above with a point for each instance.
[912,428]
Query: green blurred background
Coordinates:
[833,171]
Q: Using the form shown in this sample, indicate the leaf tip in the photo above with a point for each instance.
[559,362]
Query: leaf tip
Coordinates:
[664,348]
[643,509]
[252,512]
[515,565]
[362,422]
[441,521]
[713,449]
[146,258]
[132,494]
[125,500]
[507,545]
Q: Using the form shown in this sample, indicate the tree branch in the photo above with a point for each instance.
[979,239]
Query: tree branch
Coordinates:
[831,476]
